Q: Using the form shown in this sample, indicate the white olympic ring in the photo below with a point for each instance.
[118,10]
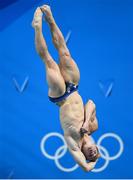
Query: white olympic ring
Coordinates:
[118,139]
[57,155]
[42,145]
[60,152]
[106,160]
[59,165]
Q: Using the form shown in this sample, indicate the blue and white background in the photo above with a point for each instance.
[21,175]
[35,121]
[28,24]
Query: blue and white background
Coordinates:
[100,38]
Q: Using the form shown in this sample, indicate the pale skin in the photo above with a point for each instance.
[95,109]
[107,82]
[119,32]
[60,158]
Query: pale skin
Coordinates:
[74,116]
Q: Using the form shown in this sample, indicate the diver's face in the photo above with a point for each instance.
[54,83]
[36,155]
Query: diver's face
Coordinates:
[91,153]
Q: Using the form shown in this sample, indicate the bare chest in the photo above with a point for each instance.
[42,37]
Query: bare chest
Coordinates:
[72,117]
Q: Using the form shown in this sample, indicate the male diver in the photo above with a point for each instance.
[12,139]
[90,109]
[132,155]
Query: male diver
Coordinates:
[78,121]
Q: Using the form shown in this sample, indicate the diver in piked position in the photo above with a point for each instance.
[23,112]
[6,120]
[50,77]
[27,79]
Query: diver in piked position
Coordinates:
[78,121]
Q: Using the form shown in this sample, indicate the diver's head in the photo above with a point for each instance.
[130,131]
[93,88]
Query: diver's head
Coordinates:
[91,153]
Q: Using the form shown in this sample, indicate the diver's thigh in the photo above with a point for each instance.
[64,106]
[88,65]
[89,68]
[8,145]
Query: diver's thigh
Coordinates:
[69,69]
[55,82]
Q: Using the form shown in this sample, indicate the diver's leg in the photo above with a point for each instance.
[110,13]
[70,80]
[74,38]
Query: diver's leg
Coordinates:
[55,80]
[68,67]
[90,121]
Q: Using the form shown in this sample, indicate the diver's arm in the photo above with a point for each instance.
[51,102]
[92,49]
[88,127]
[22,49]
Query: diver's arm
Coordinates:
[78,155]
[80,159]
[90,123]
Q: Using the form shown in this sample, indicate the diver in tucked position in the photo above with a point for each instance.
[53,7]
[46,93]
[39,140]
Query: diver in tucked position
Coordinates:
[78,121]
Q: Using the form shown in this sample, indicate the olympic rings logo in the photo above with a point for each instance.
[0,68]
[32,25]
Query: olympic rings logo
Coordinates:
[60,152]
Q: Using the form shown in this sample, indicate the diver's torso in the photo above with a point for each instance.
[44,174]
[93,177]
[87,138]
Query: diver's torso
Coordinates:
[72,114]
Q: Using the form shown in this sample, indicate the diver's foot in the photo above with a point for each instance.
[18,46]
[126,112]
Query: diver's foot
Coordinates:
[48,14]
[37,20]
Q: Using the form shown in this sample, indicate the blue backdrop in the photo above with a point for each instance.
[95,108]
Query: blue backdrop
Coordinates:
[101,41]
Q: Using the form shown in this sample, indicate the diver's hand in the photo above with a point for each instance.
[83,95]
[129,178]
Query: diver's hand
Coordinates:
[90,166]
